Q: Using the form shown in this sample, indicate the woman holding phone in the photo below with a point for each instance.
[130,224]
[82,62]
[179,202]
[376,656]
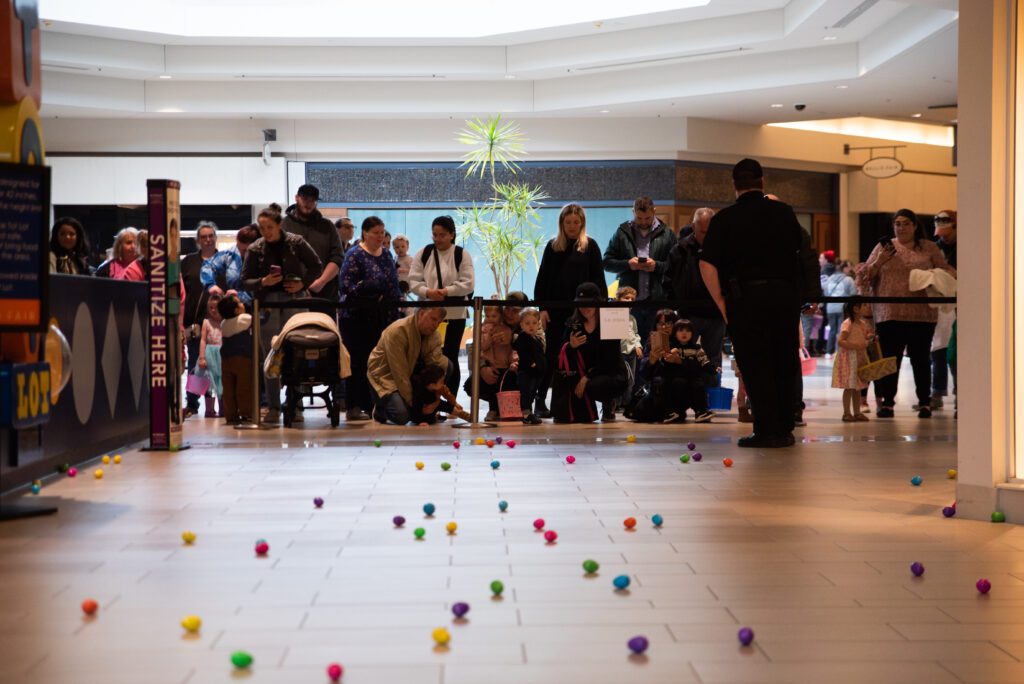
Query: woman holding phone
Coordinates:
[605,376]
[903,327]
[277,267]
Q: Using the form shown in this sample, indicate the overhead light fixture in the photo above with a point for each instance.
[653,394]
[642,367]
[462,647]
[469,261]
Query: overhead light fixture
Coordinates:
[842,87]
[916,116]
[605,111]
[165,76]
[776,106]
[510,76]
[830,38]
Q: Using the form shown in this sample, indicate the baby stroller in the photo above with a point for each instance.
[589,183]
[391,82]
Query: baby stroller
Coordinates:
[309,353]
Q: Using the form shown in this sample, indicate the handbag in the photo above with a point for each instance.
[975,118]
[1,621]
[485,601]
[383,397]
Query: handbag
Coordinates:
[198,381]
[877,365]
[566,407]
[508,401]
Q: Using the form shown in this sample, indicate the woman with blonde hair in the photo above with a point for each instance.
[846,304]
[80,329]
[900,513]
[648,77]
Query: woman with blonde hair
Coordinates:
[123,254]
[570,258]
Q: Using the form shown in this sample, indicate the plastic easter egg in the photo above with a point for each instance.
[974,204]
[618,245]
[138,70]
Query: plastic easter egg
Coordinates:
[106,460]
[657,520]
[419,465]
[746,636]
[419,532]
[916,480]
[460,609]
[498,440]
[727,462]
[72,472]
[441,636]
[446,466]
[951,473]
[241,659]
[538,524]
[621,582]
[917,569]
[503,506]
[948,511]
[456,444]
[685,458]
[89,606]
[629,523]
[398,520]
[638,644]
[334,672]
[495,465]
[98,473]
[570,459]
[117,458]
[998,517]
[479,441]
[630,438]
[191,623]
[497,587]
[377,443]
[490,443]
[697,457]
[318,502]
[984,586]
[550,536]
[188,536]
[451,527]
[511,444]
[262,548]
[36,489]
[590,566]
[428,509]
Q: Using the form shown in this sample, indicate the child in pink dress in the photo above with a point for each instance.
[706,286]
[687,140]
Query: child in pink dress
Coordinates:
[854,338]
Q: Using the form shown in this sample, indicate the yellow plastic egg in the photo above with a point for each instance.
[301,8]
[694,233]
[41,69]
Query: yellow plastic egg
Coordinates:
[188,536]
[117,458]
[106,460]
[631,438]
[951,473]
[441,636]
[191,623]
[419,465]
[98,473]
[451,527]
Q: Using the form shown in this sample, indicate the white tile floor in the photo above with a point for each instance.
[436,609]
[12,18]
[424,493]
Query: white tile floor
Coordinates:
[809,546]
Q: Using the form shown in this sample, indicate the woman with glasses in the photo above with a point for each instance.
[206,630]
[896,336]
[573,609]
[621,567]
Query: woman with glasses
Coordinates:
[903,327]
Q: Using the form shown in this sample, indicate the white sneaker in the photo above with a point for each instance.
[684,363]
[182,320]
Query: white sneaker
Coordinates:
[704,417]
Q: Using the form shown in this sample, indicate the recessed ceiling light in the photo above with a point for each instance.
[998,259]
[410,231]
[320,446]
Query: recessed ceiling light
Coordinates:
[165,76]
[916,116]
[842,87]
[776,106]
[605,111]
[510,76]
[830,38]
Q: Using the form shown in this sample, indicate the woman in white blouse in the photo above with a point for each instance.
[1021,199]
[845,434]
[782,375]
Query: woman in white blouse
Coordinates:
[444,271]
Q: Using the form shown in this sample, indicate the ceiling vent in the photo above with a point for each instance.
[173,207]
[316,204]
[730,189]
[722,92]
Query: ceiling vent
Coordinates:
[854,14]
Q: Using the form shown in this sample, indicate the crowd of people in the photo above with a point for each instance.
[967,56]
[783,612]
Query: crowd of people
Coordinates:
[736,271]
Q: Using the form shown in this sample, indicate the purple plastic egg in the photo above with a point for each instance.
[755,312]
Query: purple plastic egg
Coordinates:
[638,644]
[746,636]
[318,502]
[697,456]
[948,511]
[691,446]
[917,569]
[984,586]
[497,440]
[398,520]
[460,609]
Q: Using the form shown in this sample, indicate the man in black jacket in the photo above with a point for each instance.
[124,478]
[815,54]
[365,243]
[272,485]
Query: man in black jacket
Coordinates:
[195,305]
[751,264]
[303,219]
[638,254]
[683,282]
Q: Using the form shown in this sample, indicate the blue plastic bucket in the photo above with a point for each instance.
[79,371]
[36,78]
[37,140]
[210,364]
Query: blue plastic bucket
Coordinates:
[719,398]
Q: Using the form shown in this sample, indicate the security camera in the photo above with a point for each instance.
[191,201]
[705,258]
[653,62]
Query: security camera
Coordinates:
[799,107]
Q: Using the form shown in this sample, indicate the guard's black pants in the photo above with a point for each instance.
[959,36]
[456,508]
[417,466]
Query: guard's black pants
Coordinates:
[763,326]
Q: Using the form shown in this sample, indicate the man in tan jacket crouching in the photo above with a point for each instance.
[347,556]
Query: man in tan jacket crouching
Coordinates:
[403,344]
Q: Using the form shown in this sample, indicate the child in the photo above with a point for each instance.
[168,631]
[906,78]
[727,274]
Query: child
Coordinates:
[430,395]
[236,360]
[402,259]
[854,338]
[529,345]
[209,354]
[679,376]
[632,346]
[495,358]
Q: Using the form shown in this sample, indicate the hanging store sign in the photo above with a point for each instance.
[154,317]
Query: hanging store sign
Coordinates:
[882,167]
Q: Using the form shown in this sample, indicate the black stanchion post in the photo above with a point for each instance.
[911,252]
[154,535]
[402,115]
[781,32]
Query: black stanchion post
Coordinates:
[474,369]
[256,423]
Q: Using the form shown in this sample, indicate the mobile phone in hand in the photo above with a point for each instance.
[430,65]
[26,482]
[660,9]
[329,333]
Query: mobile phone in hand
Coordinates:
[885,241]
[275,270]
[642,260]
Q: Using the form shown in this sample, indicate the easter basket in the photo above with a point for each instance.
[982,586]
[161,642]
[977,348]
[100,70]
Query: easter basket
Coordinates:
[877,365]
[508,401]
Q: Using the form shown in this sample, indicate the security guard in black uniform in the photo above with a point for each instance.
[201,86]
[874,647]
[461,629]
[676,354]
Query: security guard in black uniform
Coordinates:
[751,264]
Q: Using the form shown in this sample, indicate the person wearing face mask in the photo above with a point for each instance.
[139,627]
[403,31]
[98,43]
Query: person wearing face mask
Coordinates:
[903,327]
[569,259]
[69,248]
[443,271]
